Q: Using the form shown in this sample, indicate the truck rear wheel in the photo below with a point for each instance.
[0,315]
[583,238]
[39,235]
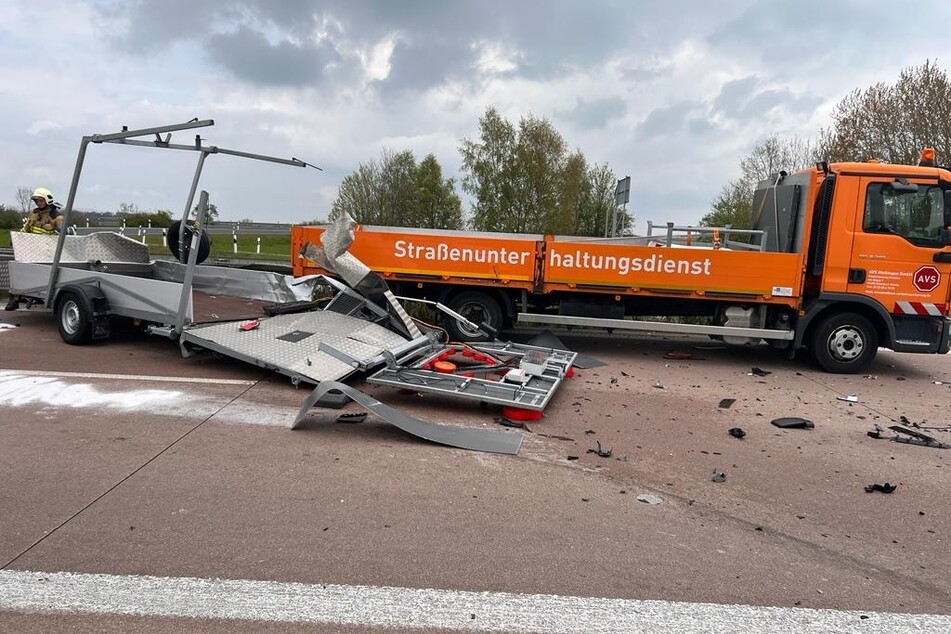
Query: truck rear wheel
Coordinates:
[72,319]
[479,308]
[844,343]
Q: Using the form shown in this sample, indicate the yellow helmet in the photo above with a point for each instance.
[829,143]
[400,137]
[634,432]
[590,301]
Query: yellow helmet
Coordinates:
[45,194]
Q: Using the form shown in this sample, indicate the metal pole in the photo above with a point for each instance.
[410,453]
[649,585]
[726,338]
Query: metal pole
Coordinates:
[190,267]
[70,199]
[188,202]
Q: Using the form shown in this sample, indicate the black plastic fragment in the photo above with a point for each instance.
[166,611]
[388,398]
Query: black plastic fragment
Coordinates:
[604,453]
[737,432]
[759,371]
[884,488]
[793,422]
[352,418]
[727,403]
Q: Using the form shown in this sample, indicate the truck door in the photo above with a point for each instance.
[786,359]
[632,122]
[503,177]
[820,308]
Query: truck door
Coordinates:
[899,257]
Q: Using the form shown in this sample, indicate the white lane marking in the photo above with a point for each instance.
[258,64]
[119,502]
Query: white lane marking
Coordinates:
[129,377]
[7,326]
[381,606]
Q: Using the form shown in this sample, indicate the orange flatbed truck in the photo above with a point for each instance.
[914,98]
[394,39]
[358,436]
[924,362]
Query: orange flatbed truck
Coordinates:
[843,258]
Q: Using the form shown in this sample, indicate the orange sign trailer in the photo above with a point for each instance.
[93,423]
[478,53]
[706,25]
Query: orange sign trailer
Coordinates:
[844,258]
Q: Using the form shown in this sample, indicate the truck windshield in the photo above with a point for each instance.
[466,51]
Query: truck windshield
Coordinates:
[917,216]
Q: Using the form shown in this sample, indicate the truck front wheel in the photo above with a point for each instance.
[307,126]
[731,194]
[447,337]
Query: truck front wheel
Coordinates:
[478,308]
[844,343]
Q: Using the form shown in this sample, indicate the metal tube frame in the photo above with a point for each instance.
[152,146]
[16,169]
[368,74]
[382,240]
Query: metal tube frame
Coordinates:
[126,137]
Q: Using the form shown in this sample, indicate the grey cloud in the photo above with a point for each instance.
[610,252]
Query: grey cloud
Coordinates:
[744,99]
[663,121]
[596,113]
[250,56]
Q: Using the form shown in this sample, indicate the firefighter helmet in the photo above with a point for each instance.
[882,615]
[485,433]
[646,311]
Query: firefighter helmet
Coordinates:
[45,194]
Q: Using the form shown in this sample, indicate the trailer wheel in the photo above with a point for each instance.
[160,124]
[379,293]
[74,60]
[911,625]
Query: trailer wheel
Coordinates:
[844,343]
[73,322]
[479,308]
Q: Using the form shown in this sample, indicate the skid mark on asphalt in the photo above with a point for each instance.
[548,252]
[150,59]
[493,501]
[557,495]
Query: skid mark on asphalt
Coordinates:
[416,608]
[22,389]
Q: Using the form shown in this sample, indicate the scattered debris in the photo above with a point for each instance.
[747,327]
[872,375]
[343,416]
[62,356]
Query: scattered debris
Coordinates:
[251,324]
[572,457]
[737,432]
[650,498]
[506,422]
[659,386]
[884,488]
[719,476]
[727,403]
[552,436]
[352,418]
[851,398]
[589,432]
[793,422]
[909,436]
[603,453]
[678,354]
[754,371]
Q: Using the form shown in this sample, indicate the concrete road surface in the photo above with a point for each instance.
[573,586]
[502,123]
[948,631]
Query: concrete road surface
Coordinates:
[144,492]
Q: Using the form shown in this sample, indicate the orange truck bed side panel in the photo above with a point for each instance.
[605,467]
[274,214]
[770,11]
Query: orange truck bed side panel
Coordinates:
[587,264]
[443,255]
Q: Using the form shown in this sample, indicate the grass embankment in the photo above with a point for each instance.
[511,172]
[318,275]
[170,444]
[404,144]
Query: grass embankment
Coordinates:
[276,248]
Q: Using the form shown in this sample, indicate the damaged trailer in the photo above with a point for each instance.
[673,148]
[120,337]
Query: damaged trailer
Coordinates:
[356,328]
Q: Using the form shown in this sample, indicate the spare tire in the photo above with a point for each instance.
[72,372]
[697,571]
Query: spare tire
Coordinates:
[204,243]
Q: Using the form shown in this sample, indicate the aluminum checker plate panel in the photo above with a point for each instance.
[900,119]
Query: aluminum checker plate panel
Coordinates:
[357,338]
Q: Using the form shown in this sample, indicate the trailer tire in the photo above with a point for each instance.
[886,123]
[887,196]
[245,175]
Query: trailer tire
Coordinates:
[479,308]
[172,237]
[73,319]
[844,343]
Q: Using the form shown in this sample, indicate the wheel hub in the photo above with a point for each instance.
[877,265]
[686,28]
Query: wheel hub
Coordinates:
[71,317]
[846,343]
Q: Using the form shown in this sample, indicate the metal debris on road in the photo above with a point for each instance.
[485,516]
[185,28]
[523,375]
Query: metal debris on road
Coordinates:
[603,453]
[737,432]
[352,418]
[884,488]
[908,436]
[678,354]
[719,476]
[650,498]
[851,398]
[754,371]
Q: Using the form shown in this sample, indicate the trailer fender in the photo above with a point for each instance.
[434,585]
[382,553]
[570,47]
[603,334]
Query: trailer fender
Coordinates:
[82,313]
[845,302]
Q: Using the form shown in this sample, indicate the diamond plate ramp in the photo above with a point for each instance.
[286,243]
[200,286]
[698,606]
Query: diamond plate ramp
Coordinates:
[461,437]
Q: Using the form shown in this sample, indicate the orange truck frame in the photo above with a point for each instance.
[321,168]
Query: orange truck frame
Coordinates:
[843,259]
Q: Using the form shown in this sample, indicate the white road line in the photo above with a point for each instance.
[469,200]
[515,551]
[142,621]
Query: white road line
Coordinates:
[382,606]
[129,377]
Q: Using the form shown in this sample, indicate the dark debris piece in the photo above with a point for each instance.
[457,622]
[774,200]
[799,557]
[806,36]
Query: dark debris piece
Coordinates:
[507,422]
[352,418]
[737,432]
[884,488]
[727,403]
[719,476]
[793,422]
[603,453]
[759,371]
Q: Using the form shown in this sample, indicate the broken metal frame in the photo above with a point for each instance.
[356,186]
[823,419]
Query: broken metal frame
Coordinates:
[127,137]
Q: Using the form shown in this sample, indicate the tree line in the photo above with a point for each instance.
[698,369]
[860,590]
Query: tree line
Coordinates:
[522,177]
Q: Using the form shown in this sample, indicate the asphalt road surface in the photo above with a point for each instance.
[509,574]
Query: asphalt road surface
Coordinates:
[146,492]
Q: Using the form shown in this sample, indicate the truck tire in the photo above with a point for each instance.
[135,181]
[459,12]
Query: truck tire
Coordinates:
[72,320]
[844,343]
[477,307]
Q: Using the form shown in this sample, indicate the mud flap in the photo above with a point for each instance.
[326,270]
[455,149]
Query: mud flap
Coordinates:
[461,437]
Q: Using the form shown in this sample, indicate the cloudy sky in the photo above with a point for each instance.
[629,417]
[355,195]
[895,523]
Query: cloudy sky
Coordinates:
[673,93]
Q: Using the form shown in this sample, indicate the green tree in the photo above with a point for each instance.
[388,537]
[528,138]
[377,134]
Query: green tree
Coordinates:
[489,173]
[397,192]
[10,218]
[893,122]
[524,180]
[437,204]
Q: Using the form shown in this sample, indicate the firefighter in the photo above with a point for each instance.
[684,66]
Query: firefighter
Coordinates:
[44,219]
[45,216]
